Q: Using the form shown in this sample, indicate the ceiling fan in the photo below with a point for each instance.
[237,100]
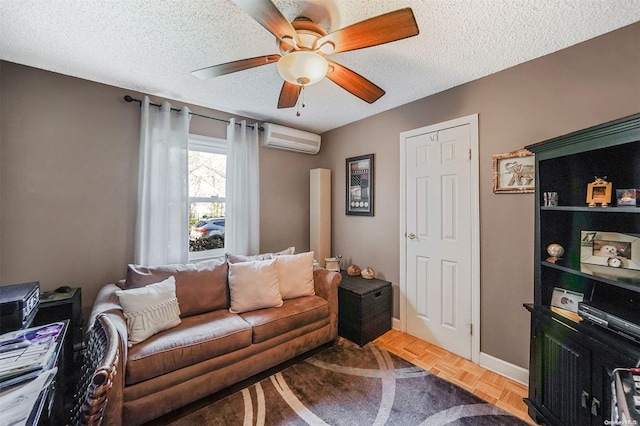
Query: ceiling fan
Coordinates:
[304,45]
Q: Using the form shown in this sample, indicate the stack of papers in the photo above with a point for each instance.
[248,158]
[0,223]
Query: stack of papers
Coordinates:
[18,402]
[26,353]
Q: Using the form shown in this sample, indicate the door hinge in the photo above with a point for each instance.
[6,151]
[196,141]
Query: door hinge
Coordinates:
[471,329]
[469,153]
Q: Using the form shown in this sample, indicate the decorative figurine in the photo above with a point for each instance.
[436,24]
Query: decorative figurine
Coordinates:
[555,251]
[354,270]
[368,273]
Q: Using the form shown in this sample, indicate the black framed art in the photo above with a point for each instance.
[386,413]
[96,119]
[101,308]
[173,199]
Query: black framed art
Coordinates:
[360,189]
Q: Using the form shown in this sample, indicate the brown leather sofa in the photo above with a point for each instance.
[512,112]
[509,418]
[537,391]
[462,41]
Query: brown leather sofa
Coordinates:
[212,348]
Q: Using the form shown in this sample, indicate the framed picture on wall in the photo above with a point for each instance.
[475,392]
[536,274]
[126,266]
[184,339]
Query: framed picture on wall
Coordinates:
[514,172]
[360,189]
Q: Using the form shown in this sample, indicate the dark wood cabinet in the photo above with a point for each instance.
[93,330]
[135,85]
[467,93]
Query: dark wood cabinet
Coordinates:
[570,369]
[571,360]
[560,355]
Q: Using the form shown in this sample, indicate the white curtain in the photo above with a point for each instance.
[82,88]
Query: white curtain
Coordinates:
[242,228]
[162,222]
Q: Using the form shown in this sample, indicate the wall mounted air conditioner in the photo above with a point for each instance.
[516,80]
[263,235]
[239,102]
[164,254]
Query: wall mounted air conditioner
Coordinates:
[276,136]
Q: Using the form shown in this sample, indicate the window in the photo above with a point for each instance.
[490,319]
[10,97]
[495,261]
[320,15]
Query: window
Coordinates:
[207,185]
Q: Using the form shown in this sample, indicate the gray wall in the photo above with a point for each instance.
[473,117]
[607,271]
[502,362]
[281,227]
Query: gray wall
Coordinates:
[69,154]
[584,85]
[68,179]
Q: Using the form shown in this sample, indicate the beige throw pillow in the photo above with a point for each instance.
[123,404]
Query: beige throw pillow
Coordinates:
[254,285]
[295,274]
[150,309]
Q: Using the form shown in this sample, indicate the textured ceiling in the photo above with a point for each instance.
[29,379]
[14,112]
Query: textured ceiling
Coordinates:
[152,46]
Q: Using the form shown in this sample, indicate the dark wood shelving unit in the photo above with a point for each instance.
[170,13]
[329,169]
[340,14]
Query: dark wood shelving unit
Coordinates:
[591,209]
[571,360]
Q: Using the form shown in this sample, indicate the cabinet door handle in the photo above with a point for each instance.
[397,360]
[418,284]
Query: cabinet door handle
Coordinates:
[585,400]
[595,407]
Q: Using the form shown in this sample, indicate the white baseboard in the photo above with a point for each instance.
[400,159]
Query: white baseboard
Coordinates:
[395,323]
[508,370]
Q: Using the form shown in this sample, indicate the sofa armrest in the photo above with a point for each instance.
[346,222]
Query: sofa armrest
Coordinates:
[326,286]
[107,303]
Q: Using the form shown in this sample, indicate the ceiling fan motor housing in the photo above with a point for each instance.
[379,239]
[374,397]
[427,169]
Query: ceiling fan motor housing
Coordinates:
[308,33]
[300,63]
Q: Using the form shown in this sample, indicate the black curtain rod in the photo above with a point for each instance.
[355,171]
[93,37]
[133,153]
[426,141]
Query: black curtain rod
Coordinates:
[132,99]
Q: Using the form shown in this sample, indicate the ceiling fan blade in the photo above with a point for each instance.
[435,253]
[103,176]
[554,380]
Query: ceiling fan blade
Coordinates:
[354,83]
[380,29]
[230,67]
[289,95]
[270,17]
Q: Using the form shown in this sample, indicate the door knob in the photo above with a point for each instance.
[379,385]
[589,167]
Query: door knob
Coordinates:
[412,236]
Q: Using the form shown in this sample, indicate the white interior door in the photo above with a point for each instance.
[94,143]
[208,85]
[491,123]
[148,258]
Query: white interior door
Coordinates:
[439,211]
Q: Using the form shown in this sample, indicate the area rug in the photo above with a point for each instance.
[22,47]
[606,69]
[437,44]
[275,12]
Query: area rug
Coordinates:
[348,385]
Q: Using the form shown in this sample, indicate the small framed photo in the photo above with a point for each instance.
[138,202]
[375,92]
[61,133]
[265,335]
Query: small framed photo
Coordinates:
[514,172]
[628,197]
[599,192]
[566,299]
[360,189]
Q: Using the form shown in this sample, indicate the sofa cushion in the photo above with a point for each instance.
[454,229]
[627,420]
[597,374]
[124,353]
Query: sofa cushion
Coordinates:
[237,258]
[294,313]
[254,285]
[149,309]
[200,287]
[196,339]
[295,275]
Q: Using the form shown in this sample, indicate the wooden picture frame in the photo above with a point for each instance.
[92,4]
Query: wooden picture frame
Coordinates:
[514,172]
[599,192]
[360,185]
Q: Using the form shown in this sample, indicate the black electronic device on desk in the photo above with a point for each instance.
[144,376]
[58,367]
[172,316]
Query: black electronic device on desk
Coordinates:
[18,305]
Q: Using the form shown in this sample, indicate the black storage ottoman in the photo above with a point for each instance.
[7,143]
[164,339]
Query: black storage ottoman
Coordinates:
[364,308]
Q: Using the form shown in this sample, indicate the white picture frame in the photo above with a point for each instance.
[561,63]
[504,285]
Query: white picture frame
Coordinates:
[599,249]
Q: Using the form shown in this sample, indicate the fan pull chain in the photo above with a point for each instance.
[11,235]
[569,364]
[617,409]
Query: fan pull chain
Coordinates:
[298,102]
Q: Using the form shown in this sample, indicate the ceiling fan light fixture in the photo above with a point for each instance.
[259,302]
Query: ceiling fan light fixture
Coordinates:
[302,68]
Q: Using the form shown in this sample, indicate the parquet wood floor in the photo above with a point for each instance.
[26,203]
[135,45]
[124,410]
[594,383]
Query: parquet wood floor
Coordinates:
[486,384]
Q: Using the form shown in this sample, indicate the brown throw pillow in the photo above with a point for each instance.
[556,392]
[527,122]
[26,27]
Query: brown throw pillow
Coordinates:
[200,287]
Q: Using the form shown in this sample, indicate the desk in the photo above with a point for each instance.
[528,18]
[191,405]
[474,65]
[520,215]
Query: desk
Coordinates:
[55,412]
[55,307]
